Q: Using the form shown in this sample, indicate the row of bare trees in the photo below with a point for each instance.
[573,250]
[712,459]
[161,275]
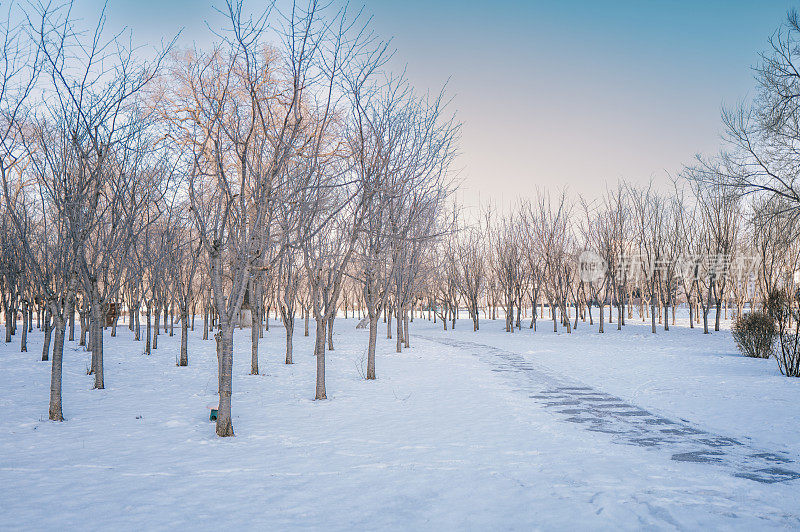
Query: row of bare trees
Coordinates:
[268,171]
[633,248]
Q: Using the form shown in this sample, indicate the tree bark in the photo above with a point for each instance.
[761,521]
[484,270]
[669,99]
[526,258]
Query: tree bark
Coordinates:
[84,327]
[652,307]
[148,344]
[156,326]
[399,321]
[9,325]
[55,413]
[330,332]
[255,328]
[289,325]
[602,316]
[23,346]
[225,363]
[184,361]
[97,337]
[373,340]
[71,314]
[319,353]
[137,329]
[48,332]
[406,342]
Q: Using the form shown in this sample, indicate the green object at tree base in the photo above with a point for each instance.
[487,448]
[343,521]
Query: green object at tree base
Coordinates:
[213,415]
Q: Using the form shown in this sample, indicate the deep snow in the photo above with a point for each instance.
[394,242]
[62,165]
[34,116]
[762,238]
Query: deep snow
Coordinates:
[446,437]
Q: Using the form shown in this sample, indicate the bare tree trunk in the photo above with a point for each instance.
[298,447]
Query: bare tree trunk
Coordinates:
[602,316]
[71,314]
[156,326]
[137,327]
[48,330]
[319,353]
[652,307]
[184,338]
[406,343]
[575,327]
[89,338]
[9,325]
[373,340]
[23,346]
[225,363]
[399,321]
[255,322]
[611,305]
[255,328]
[289,325]
[84,326]
[330,331]
[263,316]
[97,337]
[148,342]
[55,413]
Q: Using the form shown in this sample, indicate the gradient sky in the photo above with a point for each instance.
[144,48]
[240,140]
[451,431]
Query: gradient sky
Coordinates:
[557,93]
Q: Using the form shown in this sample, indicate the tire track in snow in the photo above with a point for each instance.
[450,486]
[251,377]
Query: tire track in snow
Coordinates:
[597,411]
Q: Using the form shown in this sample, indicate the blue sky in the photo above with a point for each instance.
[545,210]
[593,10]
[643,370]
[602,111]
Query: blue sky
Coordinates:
[575,94]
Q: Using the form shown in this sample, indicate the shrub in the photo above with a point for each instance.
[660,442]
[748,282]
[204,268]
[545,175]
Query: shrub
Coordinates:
[789,354]
[754,334]
[784,309]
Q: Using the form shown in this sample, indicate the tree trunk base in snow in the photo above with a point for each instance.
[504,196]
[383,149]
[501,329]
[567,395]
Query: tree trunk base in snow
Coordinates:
[224,428]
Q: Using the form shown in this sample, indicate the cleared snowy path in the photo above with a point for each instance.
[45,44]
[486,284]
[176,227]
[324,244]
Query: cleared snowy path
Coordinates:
[597,411]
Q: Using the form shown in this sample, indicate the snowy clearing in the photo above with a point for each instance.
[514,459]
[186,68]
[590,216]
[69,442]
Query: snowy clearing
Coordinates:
[449,436]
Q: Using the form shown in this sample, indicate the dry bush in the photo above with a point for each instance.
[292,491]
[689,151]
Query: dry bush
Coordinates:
[783,308]
[754,334]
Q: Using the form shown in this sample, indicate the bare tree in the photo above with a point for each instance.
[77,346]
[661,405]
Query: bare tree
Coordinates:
[473,271]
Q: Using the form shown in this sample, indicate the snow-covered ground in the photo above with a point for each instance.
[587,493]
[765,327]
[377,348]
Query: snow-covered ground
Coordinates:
[465,430]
